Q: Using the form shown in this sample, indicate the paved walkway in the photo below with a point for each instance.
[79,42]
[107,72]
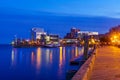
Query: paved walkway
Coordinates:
[107,64]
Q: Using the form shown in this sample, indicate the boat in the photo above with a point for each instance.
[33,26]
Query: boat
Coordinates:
[52,45]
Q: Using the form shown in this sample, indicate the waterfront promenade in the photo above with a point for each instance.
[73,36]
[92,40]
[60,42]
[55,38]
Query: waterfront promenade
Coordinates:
[107,64]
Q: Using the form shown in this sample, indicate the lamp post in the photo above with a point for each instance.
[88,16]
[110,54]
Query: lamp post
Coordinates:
[86,44]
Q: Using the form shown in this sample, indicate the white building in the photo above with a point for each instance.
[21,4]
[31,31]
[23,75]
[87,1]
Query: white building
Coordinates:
[36,33]
[81,34]
[87,33]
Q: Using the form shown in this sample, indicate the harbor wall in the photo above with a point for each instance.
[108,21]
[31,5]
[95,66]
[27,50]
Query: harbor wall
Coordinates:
[85,70]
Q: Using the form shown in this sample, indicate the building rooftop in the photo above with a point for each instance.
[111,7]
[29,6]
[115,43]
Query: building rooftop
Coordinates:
[35,29]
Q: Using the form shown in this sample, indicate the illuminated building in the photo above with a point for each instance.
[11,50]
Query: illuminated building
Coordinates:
[76,33]
[75,37]
[81,34]
[36,33]
[72,34]
[52,38]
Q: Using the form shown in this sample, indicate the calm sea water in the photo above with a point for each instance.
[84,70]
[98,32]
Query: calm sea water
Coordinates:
[36,63]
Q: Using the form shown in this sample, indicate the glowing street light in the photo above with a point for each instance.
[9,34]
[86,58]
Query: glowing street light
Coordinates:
[115,39]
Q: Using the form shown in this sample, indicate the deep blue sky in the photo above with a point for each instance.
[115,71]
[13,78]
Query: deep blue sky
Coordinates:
[17,17]
[80,7]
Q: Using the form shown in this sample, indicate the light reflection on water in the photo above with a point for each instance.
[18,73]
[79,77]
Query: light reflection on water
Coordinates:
[39,63]
[38,59]
[32,58]
[14,56]
[60,57]
[76,51]
[64,54]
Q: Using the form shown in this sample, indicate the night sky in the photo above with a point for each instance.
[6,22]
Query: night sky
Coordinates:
[17,17]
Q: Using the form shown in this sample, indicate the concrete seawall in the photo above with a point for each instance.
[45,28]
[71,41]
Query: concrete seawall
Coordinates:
[84,72]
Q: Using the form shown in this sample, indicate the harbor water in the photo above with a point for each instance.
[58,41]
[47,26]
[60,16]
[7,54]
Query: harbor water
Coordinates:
[36,63]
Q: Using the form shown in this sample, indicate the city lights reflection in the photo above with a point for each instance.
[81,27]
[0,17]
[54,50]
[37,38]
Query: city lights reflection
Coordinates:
[41,61]
[13,54]
[13,57]
[47,55]
[76,51]
[32,58]
[64,53]
[81,51]
[38,59]
[60,57]
[51,56]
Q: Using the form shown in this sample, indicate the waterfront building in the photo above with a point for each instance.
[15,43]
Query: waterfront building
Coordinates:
[71,37]
[72,34]
[43,39]
[76,37]
[53,38]
[37,33]
[81,34]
